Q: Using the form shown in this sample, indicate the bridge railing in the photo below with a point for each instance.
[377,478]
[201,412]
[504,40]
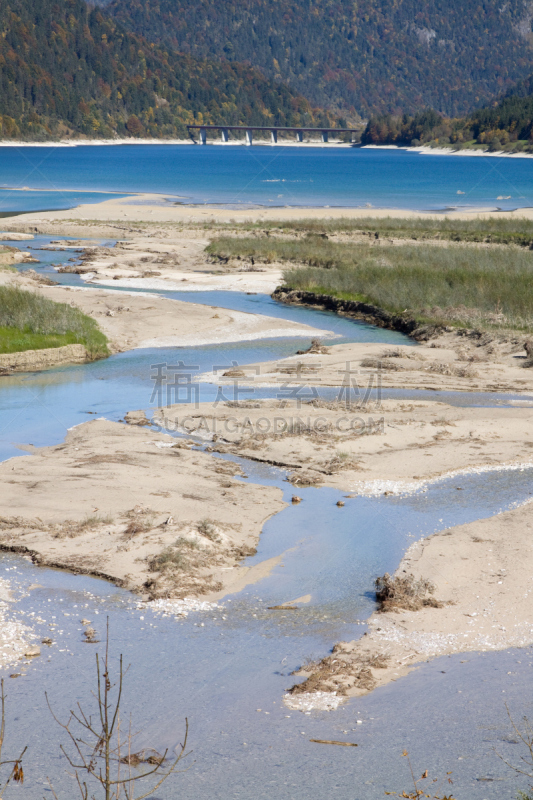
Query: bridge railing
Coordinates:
[273,130]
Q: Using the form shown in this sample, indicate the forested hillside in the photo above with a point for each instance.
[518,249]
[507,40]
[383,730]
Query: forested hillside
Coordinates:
[66,69]
[366,57]
[505,125]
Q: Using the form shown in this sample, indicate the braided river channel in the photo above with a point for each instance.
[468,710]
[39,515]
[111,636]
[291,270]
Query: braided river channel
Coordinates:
[227,668]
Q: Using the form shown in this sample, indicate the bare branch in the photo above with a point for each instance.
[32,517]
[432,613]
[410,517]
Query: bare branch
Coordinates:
[17,773]
[98,755]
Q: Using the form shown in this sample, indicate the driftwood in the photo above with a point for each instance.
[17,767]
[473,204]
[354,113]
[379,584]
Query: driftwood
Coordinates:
[330,741]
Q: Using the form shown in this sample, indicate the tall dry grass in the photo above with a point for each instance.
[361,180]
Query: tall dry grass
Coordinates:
[494,229]
[487,287]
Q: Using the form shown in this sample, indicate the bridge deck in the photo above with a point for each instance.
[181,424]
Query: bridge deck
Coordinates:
[269,128]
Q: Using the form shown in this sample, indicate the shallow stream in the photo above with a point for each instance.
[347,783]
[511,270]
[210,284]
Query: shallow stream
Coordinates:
[227,669]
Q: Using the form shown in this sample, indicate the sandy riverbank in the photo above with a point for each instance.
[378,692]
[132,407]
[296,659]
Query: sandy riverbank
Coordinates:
[449,151]
[211,141]
[135,320]
[137,507]
[482,578]
[153,209]
[449,361]
[395,447]
[157,257]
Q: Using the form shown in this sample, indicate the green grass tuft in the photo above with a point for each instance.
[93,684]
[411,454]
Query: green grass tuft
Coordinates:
[29,321]
[468,286]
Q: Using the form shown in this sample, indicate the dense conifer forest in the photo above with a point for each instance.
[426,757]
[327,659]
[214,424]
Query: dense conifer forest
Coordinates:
[505,125]
[356,58]
[68,69]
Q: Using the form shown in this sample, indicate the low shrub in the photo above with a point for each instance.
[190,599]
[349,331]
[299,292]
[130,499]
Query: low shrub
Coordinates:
[409,593]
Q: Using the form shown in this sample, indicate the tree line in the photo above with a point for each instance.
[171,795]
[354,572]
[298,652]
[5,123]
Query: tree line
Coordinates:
[505,125]
[69,69]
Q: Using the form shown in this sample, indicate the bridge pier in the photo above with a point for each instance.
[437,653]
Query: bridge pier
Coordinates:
[267,130]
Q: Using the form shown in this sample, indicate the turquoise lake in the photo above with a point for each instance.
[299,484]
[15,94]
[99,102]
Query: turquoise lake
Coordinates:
[38,178]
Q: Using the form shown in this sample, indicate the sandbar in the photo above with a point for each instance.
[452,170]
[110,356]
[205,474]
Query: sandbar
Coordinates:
[137,507]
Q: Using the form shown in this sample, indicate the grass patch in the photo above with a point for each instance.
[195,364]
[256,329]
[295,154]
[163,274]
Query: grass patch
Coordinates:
[207,528]
[72,528]
[496,230]
[462,286]
[13,340]
[29,321]
[169,559]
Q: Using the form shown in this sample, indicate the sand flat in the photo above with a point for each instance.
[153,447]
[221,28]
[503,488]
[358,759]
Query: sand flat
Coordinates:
[146,207]
[450,361]
[113,497]
[397,447]
[482,575]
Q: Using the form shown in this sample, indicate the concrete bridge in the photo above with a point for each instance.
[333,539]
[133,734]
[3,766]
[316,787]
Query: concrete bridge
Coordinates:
[273,130]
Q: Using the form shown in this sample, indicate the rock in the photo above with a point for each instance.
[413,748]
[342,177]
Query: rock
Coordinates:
[76,270]
[47,641]
[316,347]
[133,760]
[295,499]
[136,418]
[16,237]
[340,503]
[234,373]
[44,280]
[85,621]
[33,651]
[90,635]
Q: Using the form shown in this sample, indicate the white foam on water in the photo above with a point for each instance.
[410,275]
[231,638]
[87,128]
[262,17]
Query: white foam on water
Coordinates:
[313,701]
[178,608]
[379,487]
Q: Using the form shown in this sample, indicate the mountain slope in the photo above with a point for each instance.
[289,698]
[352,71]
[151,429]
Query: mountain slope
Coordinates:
[506,124]
[369,56]
[66,68]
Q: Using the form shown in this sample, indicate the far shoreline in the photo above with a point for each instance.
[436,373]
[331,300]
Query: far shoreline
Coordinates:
[150,208]
[422,150]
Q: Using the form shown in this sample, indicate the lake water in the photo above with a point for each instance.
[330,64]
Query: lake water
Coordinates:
[269,176]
